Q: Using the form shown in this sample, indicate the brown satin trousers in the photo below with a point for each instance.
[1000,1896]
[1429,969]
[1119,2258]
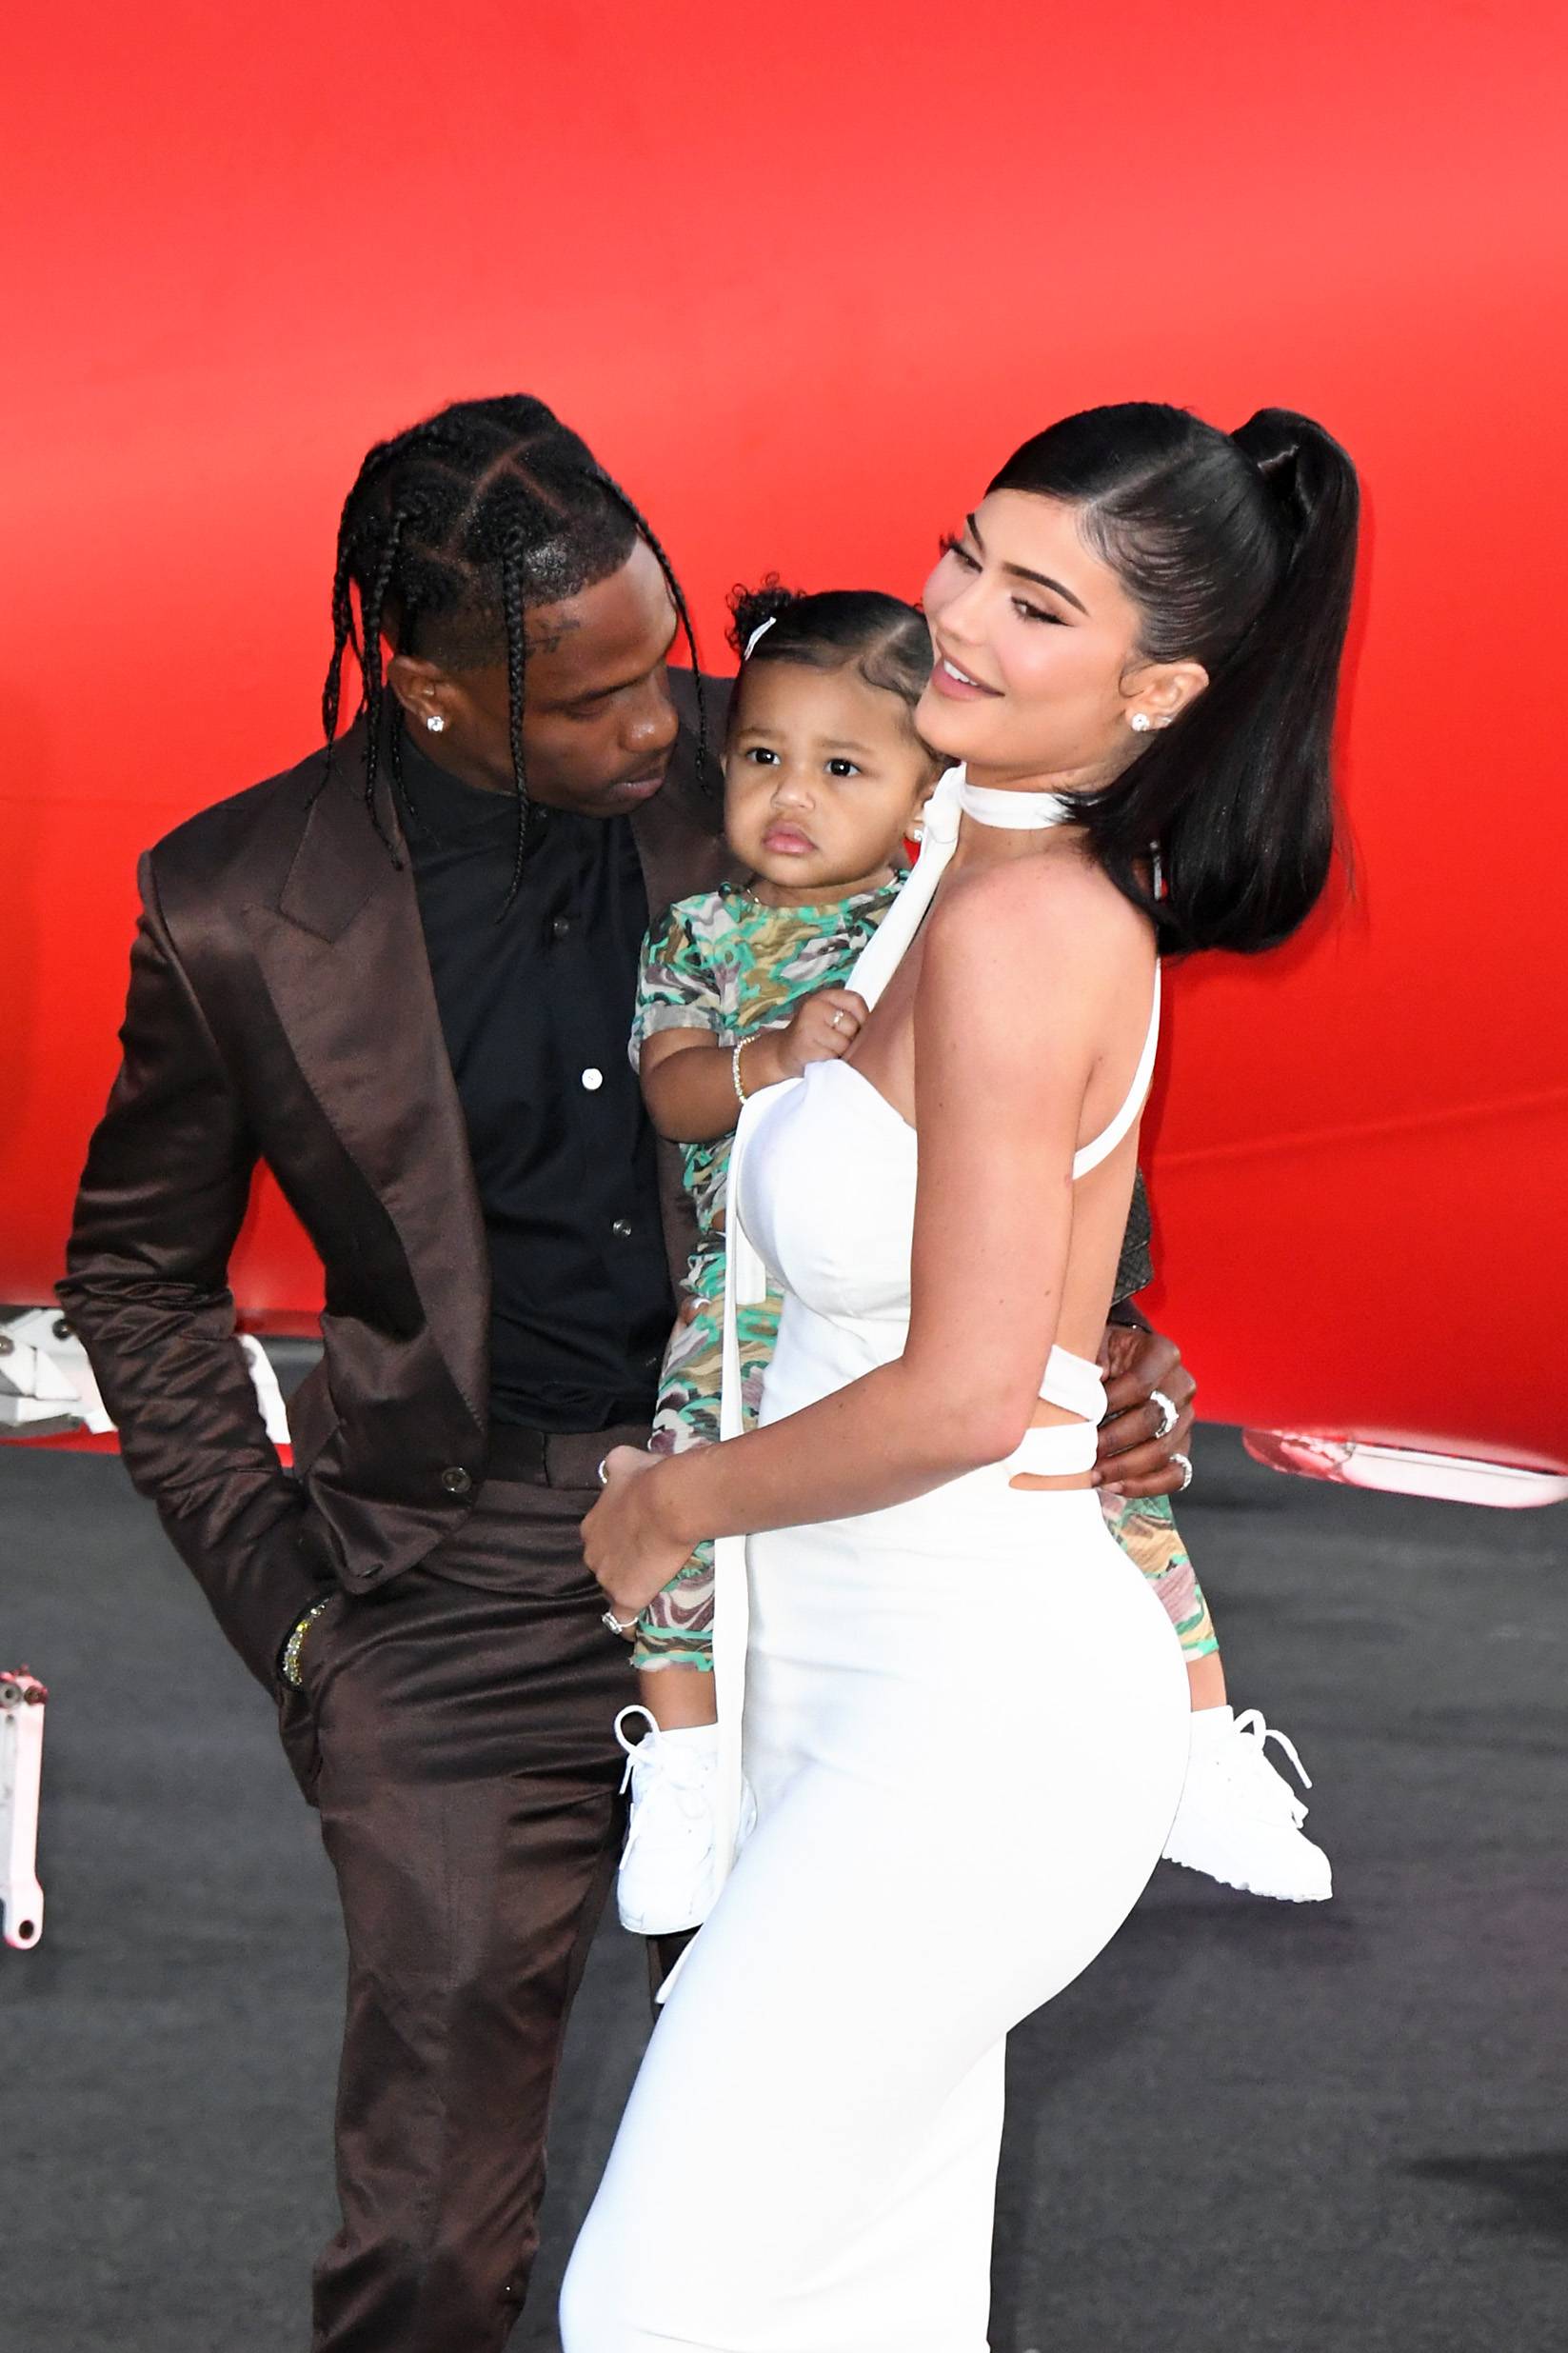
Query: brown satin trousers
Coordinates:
[455,1731]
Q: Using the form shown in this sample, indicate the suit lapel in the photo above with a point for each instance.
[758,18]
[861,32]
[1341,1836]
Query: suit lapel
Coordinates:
[343,956]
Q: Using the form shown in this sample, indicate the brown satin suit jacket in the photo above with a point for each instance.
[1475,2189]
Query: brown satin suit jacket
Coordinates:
[281,1008]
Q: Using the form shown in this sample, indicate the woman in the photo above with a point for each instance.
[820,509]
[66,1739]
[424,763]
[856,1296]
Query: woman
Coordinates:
[1138,638]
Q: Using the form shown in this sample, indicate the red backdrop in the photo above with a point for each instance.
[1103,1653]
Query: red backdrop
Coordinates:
[804,277]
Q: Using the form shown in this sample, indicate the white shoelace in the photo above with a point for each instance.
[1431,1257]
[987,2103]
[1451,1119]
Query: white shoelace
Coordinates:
[630,1748]
[685,1773]
[1253,1724]
[1258,1773]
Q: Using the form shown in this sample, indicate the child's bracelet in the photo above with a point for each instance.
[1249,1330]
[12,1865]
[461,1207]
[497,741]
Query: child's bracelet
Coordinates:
[735,1067]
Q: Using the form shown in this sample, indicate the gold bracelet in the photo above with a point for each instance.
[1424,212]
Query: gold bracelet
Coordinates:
[297,1641]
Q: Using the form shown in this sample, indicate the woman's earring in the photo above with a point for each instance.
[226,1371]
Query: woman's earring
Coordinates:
[436,723]
[1141,722]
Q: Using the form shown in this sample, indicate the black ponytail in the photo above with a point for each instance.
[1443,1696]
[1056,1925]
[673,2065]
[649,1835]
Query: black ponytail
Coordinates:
[1239,552]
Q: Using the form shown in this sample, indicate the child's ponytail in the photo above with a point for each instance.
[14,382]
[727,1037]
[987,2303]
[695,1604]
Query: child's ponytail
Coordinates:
[886,639]
[757,608]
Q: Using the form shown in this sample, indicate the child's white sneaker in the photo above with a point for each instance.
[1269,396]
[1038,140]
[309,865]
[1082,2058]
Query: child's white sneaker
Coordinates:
[667,1880]
[1239,1821]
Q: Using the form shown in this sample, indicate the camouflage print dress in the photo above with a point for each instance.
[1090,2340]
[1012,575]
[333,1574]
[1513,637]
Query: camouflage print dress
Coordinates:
[725,963]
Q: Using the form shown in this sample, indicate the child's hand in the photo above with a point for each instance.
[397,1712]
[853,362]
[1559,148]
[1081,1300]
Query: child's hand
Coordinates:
[825,1026]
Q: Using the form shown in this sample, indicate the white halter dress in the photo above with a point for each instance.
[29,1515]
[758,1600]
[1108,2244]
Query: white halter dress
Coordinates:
[947,1831]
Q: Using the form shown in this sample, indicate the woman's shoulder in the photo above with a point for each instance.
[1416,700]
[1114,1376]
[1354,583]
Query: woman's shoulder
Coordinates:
[1040,918]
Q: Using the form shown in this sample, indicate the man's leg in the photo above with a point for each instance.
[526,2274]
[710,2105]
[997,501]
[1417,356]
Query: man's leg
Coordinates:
[469,1803]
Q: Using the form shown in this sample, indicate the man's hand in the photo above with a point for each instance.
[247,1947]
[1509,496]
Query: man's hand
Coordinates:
[1133,1459]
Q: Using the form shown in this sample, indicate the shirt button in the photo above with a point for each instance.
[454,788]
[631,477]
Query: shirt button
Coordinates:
[456,1481]
[593,1080]
[622,1226]
[561,926]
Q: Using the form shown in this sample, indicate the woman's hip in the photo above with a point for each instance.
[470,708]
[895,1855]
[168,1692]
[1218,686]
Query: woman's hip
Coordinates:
[975,1570]
[891,1660]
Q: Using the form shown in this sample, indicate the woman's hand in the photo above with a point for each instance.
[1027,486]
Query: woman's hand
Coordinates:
[625,1541]
[1134,1458]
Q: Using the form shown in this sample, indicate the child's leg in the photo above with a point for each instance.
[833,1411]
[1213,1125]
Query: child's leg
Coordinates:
[1145,1528]
[1239,1821]
[678,1697]
[1206,1681]
[673,1653]
[667,1868]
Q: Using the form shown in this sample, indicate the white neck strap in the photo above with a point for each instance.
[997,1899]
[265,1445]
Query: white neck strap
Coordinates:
[1013,812]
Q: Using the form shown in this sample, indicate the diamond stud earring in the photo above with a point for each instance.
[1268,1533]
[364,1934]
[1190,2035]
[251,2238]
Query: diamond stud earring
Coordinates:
[436,723]
[1141,722]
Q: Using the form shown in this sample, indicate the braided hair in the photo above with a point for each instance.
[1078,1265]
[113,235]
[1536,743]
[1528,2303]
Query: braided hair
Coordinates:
[451,532]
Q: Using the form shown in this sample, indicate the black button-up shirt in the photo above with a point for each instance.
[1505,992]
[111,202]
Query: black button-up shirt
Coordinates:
[536,1008]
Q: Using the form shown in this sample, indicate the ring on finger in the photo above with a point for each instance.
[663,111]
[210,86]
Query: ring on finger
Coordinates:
[1168,1415]
[1186,1461]
[837,1021]
[602,1472]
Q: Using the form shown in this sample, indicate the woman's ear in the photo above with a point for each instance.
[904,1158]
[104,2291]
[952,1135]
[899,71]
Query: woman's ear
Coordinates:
[1164,689]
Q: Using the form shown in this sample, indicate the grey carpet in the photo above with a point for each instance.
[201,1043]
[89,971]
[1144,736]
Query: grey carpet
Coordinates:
[1336,2126]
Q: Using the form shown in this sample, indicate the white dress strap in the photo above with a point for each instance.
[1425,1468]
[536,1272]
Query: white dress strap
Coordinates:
[1074,1385]
[746,1283]
[1057,1451]
[1105,1142]
[883,951]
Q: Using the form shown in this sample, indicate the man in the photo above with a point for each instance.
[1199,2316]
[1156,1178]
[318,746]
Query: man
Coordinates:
[402,974]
